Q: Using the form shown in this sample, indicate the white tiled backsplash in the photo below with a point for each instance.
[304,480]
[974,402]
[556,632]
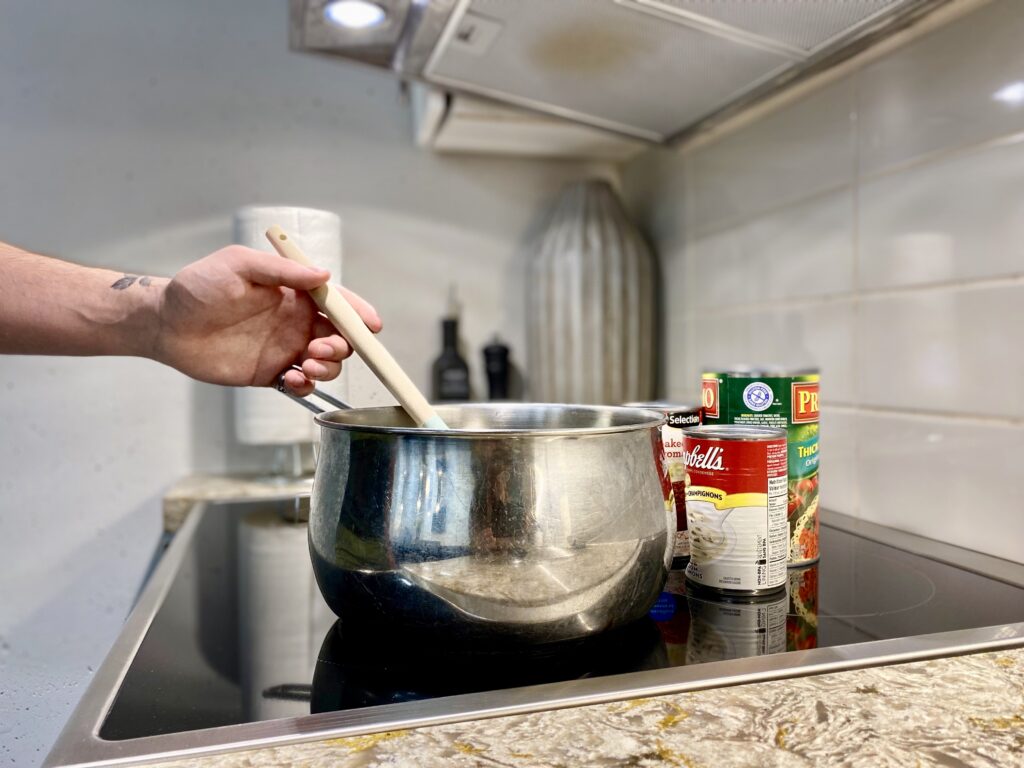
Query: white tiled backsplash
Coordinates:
[874,228]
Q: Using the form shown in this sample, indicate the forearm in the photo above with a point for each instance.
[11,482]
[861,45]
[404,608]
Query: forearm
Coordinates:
[52,307]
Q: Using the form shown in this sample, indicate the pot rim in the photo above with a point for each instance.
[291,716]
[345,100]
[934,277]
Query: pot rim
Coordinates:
[634,418]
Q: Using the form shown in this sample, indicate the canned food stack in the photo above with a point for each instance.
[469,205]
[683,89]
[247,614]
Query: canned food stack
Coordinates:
[744,471]
[777,399]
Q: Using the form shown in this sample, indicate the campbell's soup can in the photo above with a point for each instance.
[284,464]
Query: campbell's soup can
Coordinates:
[678,416]
[780,399]
[736,508]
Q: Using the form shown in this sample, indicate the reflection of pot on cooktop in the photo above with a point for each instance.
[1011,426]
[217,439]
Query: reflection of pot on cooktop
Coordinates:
[360,670]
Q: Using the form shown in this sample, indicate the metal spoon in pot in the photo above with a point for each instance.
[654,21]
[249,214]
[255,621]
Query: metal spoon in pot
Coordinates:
[333,304]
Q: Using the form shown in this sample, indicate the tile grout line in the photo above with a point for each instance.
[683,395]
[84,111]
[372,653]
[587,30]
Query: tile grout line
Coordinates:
[980,283]
[952,152]
[855,79]
[966,284]
[690,354]
[735,222]
[924,414]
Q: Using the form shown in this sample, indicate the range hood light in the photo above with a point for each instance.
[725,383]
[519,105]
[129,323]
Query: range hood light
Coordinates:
[354,14]
[1012,94]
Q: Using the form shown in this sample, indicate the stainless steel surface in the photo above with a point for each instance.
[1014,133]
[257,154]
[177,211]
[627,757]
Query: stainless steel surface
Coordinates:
[665,405]
[426,23]
[502,420]
[309,30]
[524,522]
[79,744]
[317,392]
[733,432]
[650,69]
[911,20]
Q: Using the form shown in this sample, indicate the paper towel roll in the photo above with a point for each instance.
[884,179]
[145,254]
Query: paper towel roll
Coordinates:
[282,618]
[263,416]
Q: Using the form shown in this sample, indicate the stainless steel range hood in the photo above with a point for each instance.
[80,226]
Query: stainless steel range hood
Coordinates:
[651,69]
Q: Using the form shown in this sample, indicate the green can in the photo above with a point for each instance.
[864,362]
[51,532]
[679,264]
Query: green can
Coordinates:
[787,399]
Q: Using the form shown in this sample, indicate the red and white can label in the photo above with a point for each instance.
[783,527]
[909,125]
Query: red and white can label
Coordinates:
[736,510]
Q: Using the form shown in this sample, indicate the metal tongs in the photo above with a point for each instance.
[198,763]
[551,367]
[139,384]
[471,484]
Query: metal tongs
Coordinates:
[331,399]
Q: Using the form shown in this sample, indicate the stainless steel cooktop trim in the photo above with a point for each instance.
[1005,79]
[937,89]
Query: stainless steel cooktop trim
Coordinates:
[79,744]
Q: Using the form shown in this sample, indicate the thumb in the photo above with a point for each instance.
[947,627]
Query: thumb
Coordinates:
[270,269]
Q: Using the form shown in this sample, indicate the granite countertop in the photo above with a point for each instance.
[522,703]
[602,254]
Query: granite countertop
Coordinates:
[187,492]
[961,711]
[964,710]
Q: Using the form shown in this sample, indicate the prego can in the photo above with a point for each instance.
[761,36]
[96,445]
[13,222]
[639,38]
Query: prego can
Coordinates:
[678,416]
[784,399]
[736,508]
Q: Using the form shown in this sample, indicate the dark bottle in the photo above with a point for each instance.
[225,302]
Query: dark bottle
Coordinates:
[451,374]
[496,364]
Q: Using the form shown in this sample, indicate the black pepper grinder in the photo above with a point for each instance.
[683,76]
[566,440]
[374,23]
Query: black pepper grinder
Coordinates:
[450,372]
[497,367]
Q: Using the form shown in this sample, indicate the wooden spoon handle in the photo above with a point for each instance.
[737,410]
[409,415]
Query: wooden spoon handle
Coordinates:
[344,316]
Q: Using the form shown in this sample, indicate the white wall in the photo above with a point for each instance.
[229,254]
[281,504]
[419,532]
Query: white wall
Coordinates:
[129,132]
[874,228]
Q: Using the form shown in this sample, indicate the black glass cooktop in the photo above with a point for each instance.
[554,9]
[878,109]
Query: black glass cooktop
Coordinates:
[243,635]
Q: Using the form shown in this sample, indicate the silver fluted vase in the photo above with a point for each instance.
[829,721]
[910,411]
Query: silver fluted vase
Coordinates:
[591,303]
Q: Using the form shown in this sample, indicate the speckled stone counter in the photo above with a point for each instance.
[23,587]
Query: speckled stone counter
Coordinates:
[967,710]
[196,488]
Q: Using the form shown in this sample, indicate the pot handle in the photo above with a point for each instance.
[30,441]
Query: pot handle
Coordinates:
[280,387]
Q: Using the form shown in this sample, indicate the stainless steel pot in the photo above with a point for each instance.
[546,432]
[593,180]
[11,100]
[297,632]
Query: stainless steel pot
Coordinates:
[523,523]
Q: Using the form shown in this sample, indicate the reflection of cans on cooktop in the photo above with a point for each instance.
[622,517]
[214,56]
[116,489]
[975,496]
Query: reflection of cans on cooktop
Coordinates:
[861,591]
[725,629]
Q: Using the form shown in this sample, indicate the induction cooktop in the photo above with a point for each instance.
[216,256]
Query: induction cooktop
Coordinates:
[231,643]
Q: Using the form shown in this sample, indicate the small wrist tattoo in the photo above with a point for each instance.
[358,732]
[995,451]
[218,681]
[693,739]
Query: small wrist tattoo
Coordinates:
[129,280]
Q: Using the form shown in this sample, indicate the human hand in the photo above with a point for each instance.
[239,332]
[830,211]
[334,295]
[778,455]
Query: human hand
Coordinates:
[240,317]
